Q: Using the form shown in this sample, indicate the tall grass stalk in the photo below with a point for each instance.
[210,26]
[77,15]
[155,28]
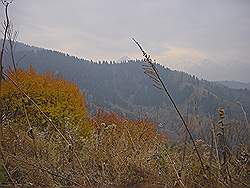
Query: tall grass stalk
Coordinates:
[152,72]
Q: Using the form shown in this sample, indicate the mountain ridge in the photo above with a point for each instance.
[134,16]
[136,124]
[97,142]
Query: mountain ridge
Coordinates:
[235,84]
[125,89]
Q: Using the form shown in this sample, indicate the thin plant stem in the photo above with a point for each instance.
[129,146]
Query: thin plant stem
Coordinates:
[156,74]
[6,27]
[176,172]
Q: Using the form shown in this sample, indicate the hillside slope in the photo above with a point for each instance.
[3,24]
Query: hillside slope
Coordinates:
[235,84]
[125,89]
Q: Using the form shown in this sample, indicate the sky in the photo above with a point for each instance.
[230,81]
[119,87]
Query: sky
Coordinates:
[207,38]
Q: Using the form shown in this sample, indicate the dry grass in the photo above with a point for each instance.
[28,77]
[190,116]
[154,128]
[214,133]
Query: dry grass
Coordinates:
[119,152]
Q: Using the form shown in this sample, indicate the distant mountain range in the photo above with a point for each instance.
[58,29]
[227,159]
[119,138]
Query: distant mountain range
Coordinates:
[125,89]
[123,59]
[235,84]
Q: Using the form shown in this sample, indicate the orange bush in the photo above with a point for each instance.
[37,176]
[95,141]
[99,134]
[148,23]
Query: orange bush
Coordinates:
[59,99]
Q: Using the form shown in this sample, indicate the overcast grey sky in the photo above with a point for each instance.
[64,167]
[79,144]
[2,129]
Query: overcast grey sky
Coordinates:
[208,38]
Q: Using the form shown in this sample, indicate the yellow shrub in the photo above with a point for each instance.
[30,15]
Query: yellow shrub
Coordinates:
[59,99]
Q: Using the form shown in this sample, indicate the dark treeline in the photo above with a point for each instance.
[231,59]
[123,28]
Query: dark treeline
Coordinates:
[123,87]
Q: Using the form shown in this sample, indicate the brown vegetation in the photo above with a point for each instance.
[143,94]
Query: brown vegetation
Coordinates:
[116,152]
[48,139]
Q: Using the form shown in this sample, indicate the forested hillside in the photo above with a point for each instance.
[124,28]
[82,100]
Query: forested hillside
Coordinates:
[124,88]
[67,121]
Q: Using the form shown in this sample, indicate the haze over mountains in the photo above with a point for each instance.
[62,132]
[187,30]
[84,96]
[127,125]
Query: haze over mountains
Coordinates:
[209,39]
[235,84]
[83,105]
[125,89]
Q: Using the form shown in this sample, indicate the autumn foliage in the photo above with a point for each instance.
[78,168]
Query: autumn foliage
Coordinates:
[107,149]
[99,151]
[59,99]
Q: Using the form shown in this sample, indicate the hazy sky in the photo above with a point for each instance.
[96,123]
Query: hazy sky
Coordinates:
[208,38]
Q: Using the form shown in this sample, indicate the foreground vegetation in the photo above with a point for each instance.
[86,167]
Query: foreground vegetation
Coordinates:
[47,138]
[74,149]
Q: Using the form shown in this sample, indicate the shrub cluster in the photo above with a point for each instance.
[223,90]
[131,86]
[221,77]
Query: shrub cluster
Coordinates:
[103,150]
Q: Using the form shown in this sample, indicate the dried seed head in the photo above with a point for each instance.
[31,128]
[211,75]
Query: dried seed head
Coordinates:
[221,112]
